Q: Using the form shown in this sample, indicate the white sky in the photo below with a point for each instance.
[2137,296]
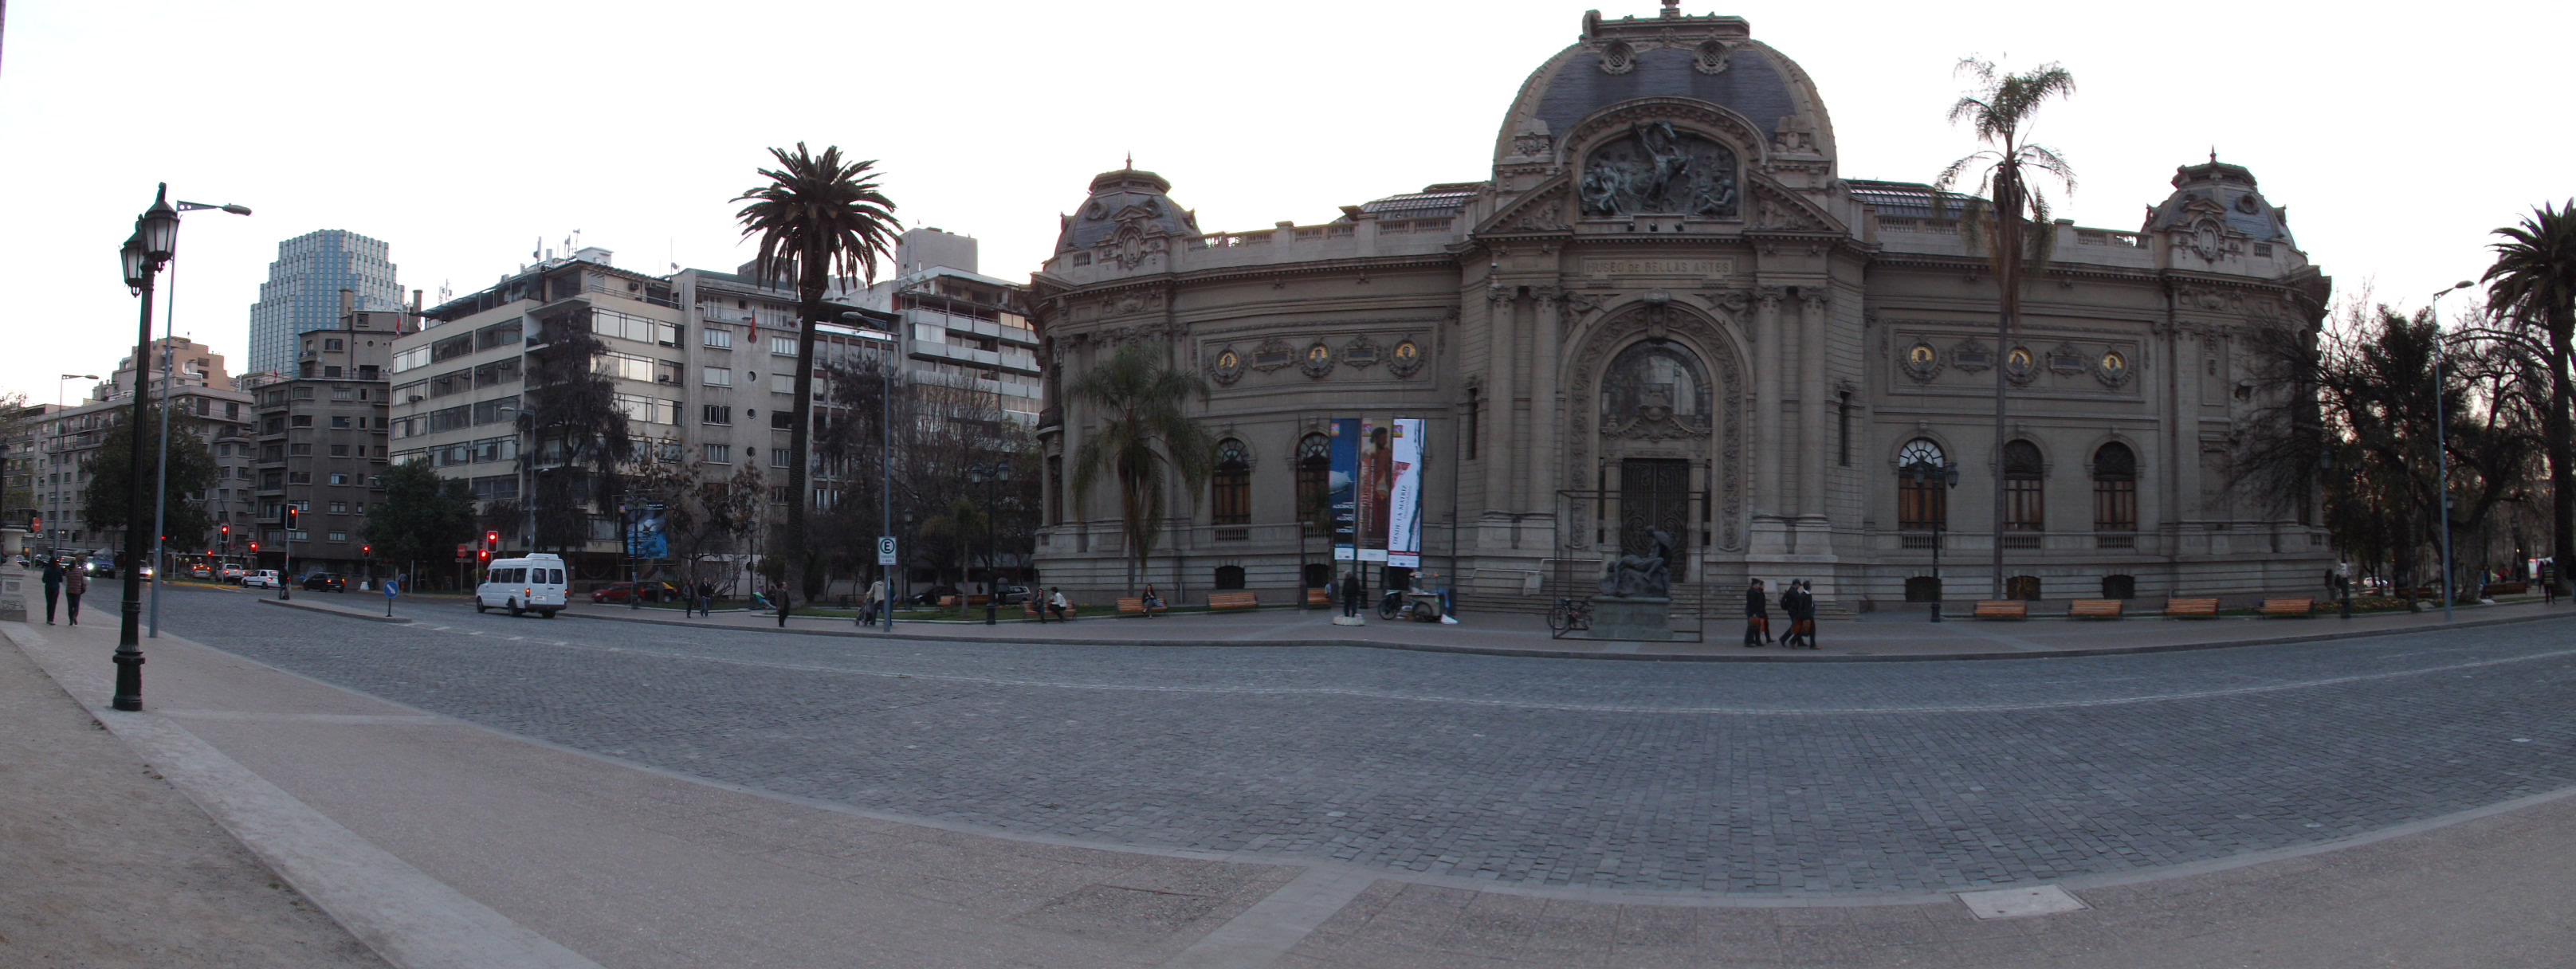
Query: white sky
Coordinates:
[461,131]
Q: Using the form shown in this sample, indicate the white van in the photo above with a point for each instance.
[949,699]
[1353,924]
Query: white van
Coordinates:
[524,585]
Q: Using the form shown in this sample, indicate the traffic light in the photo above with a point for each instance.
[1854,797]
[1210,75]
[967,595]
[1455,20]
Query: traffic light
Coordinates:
[367,550]
[228,536]
[254,548]
[492,541]
[290,517]
[483,556]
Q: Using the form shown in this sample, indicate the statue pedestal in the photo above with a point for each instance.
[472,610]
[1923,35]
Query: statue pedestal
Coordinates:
[1642,618]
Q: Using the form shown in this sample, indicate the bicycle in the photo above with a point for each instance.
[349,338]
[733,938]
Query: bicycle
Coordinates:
[1570,614]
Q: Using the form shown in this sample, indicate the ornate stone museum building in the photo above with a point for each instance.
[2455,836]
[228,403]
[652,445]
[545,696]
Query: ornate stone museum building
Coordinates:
[1669,308]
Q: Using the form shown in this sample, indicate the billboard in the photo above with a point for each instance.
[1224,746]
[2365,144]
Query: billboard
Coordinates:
[1404,505]
[1377,478]
[646,536]
[1343,487]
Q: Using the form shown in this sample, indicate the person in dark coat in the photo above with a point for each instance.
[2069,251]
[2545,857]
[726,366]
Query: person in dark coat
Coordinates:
[1757,616]
[779,595]
[1800,603]
[75,584]
[53,587]
[1350,593]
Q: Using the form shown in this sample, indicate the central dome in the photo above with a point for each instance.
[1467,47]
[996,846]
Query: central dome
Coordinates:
[1709,59]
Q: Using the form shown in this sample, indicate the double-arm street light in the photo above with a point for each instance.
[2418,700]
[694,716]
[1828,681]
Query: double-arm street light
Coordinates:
[998,473]
[1925,475]
[2441,444]
[161,488]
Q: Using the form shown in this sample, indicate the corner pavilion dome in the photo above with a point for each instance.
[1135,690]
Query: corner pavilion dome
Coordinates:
[1711,59]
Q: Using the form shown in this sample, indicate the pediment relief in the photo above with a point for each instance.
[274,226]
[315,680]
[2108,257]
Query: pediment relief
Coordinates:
[1542,209]
[1618,121]
[1777,209]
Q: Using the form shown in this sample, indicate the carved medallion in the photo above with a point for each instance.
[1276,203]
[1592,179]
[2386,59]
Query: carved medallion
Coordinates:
[1227,367]
[1360,352]
[1922,361]
[1318,360]
[1405,360]
[2020,365]
[2112,369]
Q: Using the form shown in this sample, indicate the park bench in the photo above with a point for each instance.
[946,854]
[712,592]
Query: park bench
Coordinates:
[2094,609]
[1221,601]
[2003,609]
[948,602]
[2178,608]
[2289,607]
[2507,588]
[1131,605]
[1319,597]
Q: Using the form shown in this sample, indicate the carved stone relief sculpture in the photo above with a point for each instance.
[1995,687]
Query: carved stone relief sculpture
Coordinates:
[2112,369]
[1405,360]
[1318,360]
[1227,367]
[1657,170]
[1922,362]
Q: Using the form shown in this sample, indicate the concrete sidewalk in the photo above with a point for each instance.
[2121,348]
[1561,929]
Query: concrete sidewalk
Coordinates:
[1894,637]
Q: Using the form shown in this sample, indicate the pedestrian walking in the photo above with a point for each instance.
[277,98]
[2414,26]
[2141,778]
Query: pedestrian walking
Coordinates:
[1153,600]
[779,596]
[53,586]
[706,599]
[875,601]
[75,584]
[1802,614]
[1351,593]
[1757,616]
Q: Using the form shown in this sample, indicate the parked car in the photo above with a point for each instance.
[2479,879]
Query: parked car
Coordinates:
[619,591]
[230,573]
[1013,595]
[326,582]
[932,595]
[262,579]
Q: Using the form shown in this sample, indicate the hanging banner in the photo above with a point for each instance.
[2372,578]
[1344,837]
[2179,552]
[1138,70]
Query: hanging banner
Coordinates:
[1377,478]
[1404,508]
[1343,487]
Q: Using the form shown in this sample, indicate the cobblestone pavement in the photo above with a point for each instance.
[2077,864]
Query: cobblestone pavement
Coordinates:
[1760,779]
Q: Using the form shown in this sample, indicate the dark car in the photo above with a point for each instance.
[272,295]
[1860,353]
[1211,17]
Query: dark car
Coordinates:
[619,591]
[325,582]
[932,595]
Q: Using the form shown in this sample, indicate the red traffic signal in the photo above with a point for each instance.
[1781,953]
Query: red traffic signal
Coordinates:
[228,534]
[483,555]
[367,550]
[254,548]
[291,513]
[492,540]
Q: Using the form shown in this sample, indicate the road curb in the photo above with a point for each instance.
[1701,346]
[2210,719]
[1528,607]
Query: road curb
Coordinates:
[333,610]
[1574,654]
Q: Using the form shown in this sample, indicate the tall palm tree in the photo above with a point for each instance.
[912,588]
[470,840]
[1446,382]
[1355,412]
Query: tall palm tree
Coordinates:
[1145,428]
[2005,213]
[2534,278]
[817,217]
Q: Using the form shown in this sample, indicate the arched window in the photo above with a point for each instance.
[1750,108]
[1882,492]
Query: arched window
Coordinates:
[2115,489]
[2024,511]
[1922,501]
[1651,382]
[1230,490]
[1314,481]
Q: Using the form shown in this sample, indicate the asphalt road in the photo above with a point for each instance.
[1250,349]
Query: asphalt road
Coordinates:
[1740,778]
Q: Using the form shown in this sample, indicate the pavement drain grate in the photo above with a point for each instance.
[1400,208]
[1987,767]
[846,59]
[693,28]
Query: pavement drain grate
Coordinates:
[2007,903]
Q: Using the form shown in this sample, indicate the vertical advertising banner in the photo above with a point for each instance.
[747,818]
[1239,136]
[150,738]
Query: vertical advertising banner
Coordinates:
[1343,487]
[1404,513]
[1377,479]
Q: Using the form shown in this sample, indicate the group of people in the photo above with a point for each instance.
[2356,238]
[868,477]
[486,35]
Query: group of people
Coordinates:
[1798,601]
[68,583]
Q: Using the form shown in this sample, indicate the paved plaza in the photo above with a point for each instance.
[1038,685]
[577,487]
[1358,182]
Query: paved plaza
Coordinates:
[1198,805]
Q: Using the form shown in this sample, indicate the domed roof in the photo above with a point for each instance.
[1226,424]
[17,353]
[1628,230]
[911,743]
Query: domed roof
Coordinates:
[2225,193]
[1121,198]
[1711,59]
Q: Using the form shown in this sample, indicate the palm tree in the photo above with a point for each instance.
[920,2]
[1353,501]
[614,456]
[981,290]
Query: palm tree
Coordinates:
[2005,213]
[2534,278]
[1145,428]
[817,218]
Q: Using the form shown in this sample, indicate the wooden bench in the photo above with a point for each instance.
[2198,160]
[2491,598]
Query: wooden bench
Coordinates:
[1131,605]
[2507,588]
[1319,597]
[1240,599]
[2003,609]
[2095,609]
[947,602]
[2289,607]
[2178,608]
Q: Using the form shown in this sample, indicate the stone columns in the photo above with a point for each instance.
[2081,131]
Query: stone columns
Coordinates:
[1546,339]
[1499,419]
[1811,403]
[1768,501]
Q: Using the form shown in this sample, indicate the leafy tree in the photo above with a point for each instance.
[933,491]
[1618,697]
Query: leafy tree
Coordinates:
[192,471]
[817,217]
[2533,281]
[1145,430]
[2005,214]
[964,525]
[423,517]
[575,431]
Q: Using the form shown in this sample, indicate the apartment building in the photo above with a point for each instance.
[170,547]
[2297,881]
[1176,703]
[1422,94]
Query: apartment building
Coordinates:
[67,439]
[322,437]
[961,329]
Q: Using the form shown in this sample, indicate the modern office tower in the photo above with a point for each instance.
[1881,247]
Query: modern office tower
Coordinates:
[303,292]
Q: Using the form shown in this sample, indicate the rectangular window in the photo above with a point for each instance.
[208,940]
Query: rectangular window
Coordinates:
[713,414]
[496,373]
[498,335]
[343,393]
[624,366]
[412,359]
[499,410]
[339,507]
[453,418]
[781,420]
[452,347]
[716,336]
[781,383]
[339,450]
[339,423]
[300,420]
[2022,508]
[719,454]
[339,536]
[299,477]
[2115,505]
[339,479]
[716,376]
[784,346]
[778,457]
[299,450]
[1921,505]
[415,390]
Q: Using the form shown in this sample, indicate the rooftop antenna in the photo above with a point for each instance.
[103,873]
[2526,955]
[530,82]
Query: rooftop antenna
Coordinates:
[1131,159]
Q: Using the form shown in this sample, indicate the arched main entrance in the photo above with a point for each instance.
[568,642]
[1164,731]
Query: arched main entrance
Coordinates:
[1654,407]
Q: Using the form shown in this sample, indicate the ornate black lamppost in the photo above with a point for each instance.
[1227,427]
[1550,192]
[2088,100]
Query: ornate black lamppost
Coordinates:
[155,239]
[999,472]
[1925,473]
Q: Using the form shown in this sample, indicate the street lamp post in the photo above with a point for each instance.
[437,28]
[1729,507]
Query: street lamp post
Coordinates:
[2441,445]
[161,488]
[997,474]
[155,240]
[1925,474]
[887,361]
